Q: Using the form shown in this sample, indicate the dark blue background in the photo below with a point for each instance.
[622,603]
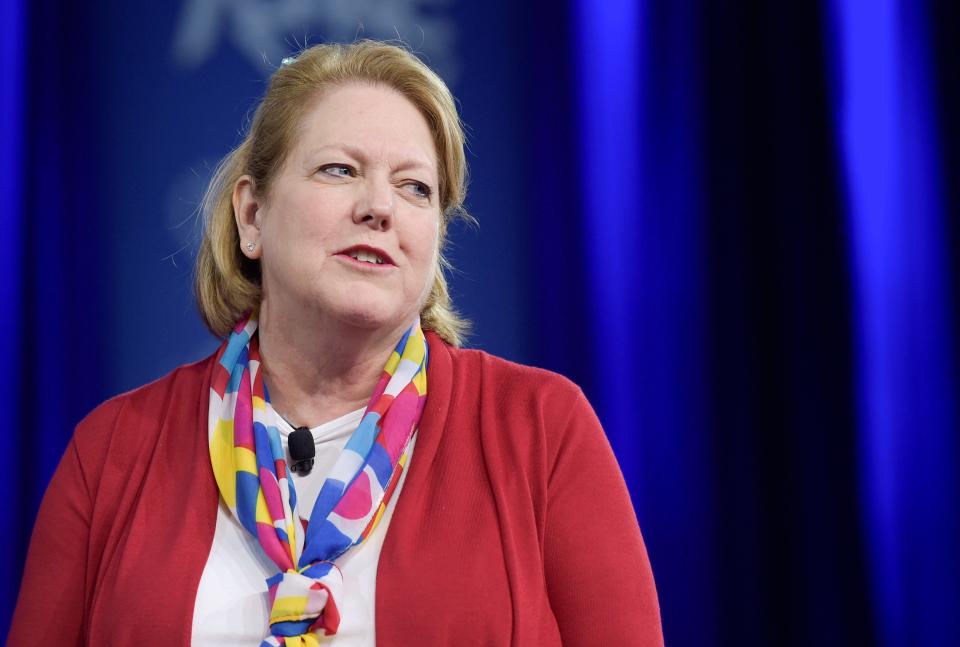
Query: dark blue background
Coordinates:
[734,224]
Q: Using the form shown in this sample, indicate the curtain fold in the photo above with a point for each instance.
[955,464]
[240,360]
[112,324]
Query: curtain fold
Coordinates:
[887,125]
[53,255]
[13,478]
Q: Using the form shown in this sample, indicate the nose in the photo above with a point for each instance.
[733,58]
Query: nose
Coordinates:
[375,206]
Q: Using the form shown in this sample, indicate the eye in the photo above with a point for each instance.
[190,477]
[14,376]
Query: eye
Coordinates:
[419,189]
[337,170]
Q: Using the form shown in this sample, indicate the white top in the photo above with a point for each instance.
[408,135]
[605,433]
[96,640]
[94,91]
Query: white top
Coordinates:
[231,606]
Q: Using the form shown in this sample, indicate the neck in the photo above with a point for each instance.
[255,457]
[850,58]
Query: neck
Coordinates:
[317,368]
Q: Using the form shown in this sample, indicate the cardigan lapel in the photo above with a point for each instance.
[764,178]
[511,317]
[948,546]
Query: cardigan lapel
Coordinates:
[406,516]
[433,421]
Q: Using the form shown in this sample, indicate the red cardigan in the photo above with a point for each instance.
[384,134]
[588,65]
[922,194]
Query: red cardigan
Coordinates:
[514,526]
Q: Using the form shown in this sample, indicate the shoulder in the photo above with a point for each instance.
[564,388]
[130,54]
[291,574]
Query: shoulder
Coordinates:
[506,381]
[525,419]
[134,412]
[525,404]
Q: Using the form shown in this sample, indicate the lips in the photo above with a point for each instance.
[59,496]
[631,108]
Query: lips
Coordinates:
[367,254]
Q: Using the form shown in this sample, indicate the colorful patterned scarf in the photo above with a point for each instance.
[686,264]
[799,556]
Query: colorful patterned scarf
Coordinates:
[251,473]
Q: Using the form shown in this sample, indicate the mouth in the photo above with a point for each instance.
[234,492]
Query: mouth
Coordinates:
[368,255]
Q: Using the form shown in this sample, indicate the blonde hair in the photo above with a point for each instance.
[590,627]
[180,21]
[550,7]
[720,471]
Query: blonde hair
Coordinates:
[227,283]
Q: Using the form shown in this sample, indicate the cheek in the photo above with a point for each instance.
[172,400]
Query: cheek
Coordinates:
[426,247]
[302,216]
[422,252]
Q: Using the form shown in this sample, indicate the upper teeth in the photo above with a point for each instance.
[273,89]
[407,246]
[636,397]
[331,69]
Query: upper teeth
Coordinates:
[367,257]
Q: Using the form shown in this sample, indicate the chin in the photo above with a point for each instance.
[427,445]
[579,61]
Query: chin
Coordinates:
[365,320]
[368,313]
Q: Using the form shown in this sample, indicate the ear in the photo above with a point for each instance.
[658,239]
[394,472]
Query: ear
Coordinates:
[246,211]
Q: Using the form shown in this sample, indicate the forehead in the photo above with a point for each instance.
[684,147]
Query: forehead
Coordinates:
[373,121]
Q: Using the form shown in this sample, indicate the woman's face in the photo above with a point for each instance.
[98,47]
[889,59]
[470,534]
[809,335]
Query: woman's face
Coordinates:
[350,224]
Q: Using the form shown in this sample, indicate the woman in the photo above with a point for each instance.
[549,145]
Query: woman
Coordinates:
[174,516]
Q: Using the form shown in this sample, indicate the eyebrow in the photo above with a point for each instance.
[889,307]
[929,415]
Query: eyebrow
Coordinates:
[356,153]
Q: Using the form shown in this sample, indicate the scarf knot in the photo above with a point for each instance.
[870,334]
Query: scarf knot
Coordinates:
[304,602]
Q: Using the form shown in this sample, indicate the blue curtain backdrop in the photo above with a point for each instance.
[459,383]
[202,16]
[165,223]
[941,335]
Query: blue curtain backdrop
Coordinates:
[734,224]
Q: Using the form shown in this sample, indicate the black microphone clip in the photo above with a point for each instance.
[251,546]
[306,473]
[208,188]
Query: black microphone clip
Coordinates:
[302,449]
